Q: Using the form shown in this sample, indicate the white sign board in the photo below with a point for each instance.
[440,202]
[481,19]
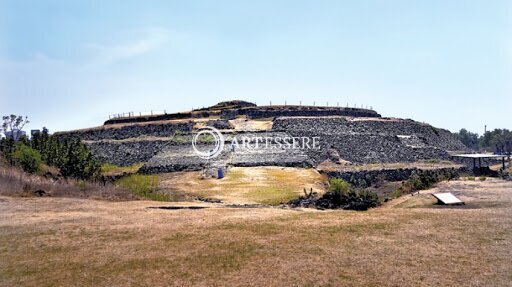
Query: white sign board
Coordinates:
[447,198]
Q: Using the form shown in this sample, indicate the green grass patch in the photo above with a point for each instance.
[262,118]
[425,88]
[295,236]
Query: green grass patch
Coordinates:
[395,194]
[180,139]
[205,138]
[263,120]
[272,195]
[109,168]
[470,178]
[482,178]
[144,186]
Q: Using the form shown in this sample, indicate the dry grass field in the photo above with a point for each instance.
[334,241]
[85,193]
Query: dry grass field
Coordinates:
[247,185]
[407,242]
[244,124]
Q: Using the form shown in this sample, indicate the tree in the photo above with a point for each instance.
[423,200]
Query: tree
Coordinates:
[7,149]
[54,151]
[498,140]
[79,162]
[469,139]
[70,155]
[13,124]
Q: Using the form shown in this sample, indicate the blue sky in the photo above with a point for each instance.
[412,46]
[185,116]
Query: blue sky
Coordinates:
[69,64]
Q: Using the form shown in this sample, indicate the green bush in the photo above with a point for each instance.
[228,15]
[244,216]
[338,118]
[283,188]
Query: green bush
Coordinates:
[338,186]
[342,194]
[482,178]
[339,189]
[27,158]
[359,199]
[421,180]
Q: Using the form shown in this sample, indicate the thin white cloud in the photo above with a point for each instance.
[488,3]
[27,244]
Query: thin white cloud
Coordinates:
[109,54]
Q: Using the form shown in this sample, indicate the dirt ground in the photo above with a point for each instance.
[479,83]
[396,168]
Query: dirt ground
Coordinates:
[407,242]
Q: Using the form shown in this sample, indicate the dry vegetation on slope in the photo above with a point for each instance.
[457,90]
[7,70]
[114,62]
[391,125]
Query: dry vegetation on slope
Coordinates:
[15,182]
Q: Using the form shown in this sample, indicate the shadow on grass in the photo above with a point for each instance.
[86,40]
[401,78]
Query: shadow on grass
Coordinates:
[177,207]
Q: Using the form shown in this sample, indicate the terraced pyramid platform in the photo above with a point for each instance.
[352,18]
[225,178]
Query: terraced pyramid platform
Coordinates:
[163,142]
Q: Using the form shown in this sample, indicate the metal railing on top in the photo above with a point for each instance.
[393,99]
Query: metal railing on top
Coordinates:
[136,114]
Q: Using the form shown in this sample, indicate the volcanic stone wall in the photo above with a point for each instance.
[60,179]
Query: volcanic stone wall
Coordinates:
[365,178]
[363,137]
[251,111]
[129,131]
[164,117]
[125,153]
[367,141]
[341,126]
[296,111]
[133,143]
[181,157]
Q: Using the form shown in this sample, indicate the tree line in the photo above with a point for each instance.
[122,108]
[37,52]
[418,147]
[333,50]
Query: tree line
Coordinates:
[69,155]
[498,140]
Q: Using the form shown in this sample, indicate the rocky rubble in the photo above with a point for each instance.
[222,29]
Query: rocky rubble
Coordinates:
[330,200]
